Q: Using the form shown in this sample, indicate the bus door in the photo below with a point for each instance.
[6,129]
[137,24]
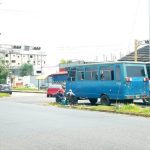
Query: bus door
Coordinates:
[107,82]
[80,85]
[117,90]
[70,84]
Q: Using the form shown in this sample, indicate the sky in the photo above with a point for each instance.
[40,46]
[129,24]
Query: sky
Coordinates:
[90,30]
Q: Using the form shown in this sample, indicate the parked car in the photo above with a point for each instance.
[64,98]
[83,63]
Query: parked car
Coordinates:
[43,86]
[30,85]
[5,88]
[53,90]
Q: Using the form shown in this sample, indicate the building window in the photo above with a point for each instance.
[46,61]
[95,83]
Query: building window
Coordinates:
[13,61]
[31,56]
[7,61]
[16,47]
[6,55]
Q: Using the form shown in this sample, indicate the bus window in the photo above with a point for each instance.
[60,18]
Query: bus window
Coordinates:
[80,74]
[94,75]
[135,71]
[91,73]
[118,73]
[148,69]
[106,73]
[72,74]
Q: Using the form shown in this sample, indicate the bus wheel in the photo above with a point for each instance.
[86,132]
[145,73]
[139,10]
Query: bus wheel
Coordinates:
[129,101]
[74,100]
[146,101]
[105,100]
[93,101]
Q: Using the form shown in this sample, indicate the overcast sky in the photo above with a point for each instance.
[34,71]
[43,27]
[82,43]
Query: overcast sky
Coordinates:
[75,29]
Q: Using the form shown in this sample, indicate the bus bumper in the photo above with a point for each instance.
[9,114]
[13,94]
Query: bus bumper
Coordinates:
[136,97]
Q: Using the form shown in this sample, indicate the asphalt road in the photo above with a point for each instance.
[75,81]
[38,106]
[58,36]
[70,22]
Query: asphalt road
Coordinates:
[27,124]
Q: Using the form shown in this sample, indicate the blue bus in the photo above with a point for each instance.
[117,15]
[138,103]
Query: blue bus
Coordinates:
[148,69]
[110,81]
[148,72]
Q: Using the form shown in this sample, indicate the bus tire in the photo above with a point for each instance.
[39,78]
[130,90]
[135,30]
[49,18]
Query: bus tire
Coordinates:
[105,100]
[75,100]
[146,101]
[93,101]
[128,101]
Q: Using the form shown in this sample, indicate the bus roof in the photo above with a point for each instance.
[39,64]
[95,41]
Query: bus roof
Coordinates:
[117,62]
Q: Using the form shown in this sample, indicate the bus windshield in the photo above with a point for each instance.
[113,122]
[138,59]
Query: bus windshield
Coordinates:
[135,71]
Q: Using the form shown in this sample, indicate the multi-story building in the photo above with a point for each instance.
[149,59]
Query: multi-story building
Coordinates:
[16,55]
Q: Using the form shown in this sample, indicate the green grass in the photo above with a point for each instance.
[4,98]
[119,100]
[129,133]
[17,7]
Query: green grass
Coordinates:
[131,109]
[25,89]
[4,95]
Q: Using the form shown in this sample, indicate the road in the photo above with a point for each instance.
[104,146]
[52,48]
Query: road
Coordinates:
[27,124]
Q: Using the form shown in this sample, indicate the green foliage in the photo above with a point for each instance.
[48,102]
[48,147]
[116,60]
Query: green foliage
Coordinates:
[4,94]
[26,70]
[63,61]
[131,109]
[25,89]
[4,71]
[69,61]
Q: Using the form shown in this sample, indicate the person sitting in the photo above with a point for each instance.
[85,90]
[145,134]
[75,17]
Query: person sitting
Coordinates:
[70,96]
[59,96]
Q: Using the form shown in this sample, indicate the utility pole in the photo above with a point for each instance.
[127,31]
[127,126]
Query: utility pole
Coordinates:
[136,45]
[149,28]
[41,64]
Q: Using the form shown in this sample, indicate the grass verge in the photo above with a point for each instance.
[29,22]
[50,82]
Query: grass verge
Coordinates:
[25,89]
[4,95]
[130,109]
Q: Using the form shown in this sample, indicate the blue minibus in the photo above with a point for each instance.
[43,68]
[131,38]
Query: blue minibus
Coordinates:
[110,81]
[148,72]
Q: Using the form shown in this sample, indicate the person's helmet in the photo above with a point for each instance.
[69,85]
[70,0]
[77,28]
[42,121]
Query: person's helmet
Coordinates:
[70,90]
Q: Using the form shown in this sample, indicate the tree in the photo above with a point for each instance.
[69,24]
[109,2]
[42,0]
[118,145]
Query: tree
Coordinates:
[26,70]
[4,71]
[63,61]
[69,61]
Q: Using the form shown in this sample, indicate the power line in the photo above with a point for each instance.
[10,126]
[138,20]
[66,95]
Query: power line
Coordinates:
[134,22]
[86,46]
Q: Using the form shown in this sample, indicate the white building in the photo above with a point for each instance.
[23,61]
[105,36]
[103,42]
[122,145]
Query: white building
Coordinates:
[16,55]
